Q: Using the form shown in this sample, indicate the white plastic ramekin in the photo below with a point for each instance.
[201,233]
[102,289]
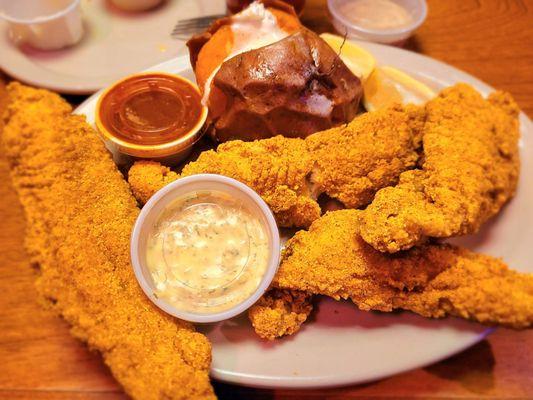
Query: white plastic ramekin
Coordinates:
[153,208]
[168,153]
[47,25]
[417,9]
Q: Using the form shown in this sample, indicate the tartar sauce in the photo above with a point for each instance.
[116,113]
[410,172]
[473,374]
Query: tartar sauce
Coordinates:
[376,14]
[207,252]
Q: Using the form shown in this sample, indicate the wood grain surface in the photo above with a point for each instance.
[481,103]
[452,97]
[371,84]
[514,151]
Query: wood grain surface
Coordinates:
[40,360]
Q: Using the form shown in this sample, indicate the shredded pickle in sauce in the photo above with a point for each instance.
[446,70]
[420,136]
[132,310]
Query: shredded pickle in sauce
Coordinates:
[207,252]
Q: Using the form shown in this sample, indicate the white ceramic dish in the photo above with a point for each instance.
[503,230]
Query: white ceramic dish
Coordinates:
[340,345]
[115,44]
[201,182]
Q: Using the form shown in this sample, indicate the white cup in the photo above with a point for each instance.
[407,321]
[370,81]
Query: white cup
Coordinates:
[153,208]
[396,36]
[136,5]
[43,24]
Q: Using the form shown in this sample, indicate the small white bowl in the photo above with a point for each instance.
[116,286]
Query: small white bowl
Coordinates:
[153,208]
[397,36]
[48,25]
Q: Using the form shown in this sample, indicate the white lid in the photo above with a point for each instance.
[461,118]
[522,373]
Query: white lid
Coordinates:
[177,189]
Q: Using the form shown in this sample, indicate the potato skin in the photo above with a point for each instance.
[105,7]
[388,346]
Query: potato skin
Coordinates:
[294,87]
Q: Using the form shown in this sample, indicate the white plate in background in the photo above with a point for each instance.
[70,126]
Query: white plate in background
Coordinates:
[115,44]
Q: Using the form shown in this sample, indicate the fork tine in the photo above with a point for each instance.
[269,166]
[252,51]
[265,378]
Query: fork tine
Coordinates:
[190,22]
[205,17]
[195,23]
[188,26]
[184,26]
[190,29]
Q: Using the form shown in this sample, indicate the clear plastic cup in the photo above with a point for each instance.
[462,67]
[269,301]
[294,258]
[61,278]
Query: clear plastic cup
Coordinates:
[396,36]
[43,24]
[185,186]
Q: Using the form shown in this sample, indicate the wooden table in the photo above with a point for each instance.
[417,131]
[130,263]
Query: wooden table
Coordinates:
[40,360]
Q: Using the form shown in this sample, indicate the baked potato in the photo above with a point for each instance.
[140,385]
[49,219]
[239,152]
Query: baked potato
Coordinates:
[263,74]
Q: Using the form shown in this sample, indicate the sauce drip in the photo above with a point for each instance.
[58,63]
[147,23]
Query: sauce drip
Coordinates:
[150,109]
[207,252]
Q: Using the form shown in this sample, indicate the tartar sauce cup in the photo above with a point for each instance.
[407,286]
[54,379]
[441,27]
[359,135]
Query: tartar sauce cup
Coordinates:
[160,203]
[417,9]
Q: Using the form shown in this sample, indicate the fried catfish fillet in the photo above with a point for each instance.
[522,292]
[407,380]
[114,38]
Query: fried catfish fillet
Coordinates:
[469,170]
[433,280]
[147,177]
[276,168]
[348,163]
[280,312]
[80,213]
[352,162]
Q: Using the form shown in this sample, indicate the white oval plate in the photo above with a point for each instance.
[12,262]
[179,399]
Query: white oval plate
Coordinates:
[342,345]
[115,44]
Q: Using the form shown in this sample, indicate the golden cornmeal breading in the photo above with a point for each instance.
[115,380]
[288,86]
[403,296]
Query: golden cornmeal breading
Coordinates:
[354,161]
[276,168]
[349,163]
[80,213]
[469,171]
[147,177]
[280,312]
[431,280]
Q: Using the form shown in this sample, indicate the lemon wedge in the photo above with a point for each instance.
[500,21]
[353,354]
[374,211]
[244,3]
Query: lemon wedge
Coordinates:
[387,85]
[357,59]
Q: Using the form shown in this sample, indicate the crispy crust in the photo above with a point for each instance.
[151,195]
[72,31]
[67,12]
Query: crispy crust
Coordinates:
[469,170]
[433,280]
[80,213]
[349,163]
[280,312]
[276,168]
[354,161]
[147,177]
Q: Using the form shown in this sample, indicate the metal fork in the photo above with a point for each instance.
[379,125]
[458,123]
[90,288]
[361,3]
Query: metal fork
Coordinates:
[186,27]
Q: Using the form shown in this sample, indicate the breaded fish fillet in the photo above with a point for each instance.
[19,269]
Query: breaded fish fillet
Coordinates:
[352,162]
[433,280]
[276,168]
[147,177]
[348,163]
[280,312]
[469,170]
[80,213]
